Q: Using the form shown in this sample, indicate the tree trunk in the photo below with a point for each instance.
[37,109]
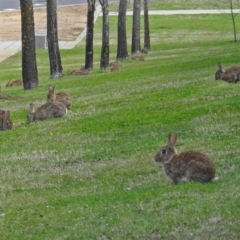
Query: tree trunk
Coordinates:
[136,27]
[29,64]
[89,36]
[146,27]
[52,38]
[122,52]
[104,62]
[233,21]
[224,4]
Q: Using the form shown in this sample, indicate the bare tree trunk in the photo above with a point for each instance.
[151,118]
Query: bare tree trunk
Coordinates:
[233,21]
[136,27]
[223,4]
[89,36]
[146,27]
[52,38]
[29,64]
[122,52]
[104,62]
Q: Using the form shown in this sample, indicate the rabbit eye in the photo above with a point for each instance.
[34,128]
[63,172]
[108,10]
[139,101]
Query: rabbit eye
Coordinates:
[164,151]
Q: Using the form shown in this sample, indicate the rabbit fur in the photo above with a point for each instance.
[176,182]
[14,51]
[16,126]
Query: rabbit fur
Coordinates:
[186,166]
[17,82]
[52,109]
[78,72]
[60,96]
[231,75]
[5,121]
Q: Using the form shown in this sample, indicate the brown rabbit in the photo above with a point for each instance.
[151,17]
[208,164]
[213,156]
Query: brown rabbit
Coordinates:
[145,50]
[60,96]
[115,66]
[230,75]
[17,82]
[5,121]
[186,166]
[138,57]
[78,72]
[48,110]
[115,63]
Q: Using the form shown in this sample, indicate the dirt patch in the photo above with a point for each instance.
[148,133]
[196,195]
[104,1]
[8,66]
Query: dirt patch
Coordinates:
[71,21]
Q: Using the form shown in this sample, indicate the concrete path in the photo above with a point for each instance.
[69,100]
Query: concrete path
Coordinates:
[182,12]
[9,48]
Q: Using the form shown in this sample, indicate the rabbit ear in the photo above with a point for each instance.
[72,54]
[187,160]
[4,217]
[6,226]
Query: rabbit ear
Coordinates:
[7,114]
[172,139]
[31,107]
[50,88]
[219,66]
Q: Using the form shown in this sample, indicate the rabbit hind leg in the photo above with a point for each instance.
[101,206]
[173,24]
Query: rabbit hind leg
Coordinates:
[198,173]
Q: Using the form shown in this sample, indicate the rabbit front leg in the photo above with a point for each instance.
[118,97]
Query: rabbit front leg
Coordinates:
[235,77]
[238,78]
[174,182]
[172,175]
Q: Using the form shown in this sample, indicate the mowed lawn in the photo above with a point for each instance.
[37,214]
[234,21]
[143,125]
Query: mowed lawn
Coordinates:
[91,174]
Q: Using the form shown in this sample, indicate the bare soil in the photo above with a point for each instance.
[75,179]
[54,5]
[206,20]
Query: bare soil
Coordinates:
[71,21]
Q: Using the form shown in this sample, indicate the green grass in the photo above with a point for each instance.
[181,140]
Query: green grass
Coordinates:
[180,4]
[90,174]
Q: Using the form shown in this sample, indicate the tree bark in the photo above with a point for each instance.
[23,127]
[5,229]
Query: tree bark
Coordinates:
[136,27]
[89,36]
[224,4]
[29,64]
[52,38]
[122,52]
[233,21]
[146,27]
[104,62]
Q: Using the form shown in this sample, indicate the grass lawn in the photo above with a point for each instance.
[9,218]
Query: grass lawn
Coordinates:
[91,175]
[180,4]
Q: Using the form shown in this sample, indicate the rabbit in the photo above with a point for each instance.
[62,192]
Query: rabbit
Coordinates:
[115,66]
[17,82]
[230,75]
[5,121]
[52,109]
[78,72]
[115,63]
[60,96]
[9,83]
[186,166]
[138,57]
[145,50]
